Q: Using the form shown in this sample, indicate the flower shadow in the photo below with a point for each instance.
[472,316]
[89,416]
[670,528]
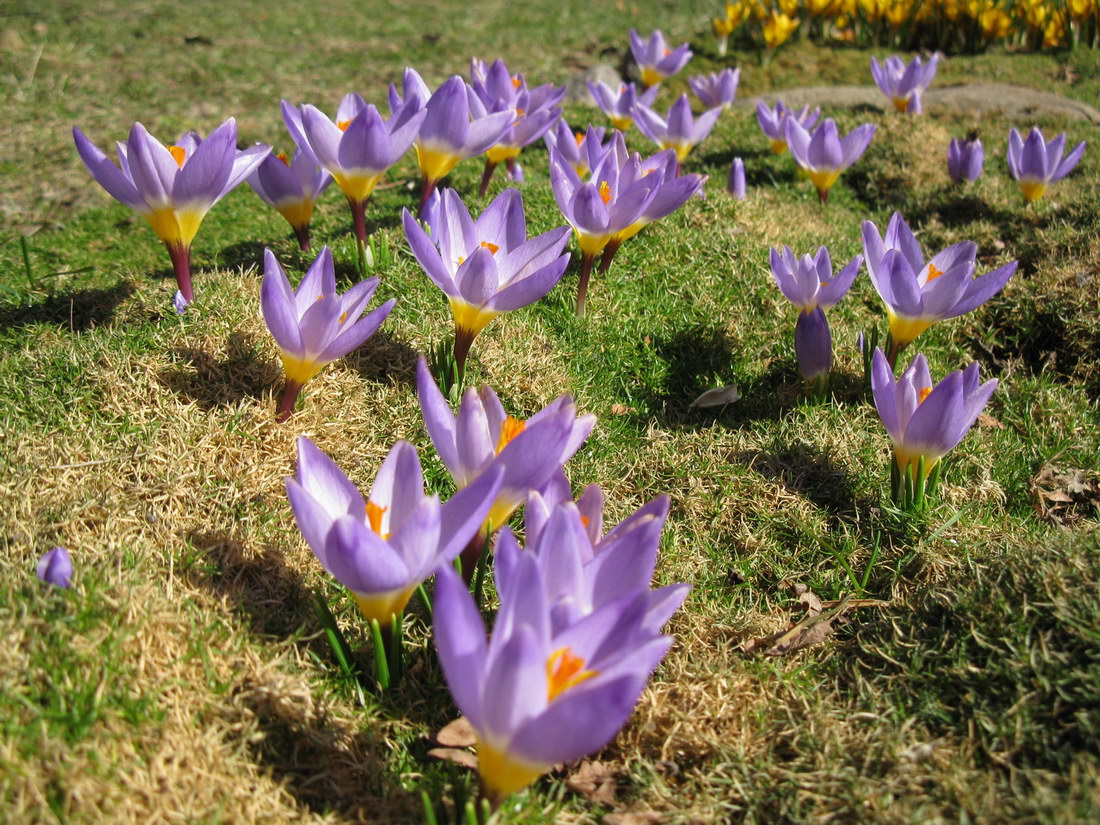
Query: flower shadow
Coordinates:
[79,311]
[330,765]
[217,381]
[386,359]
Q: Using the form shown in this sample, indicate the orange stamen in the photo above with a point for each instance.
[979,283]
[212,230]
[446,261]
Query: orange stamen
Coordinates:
[492,247]
[585,520]
[605,192]
[343,317]
[564,669]
[933,273]
[179,153]
[924,393]
[343,125]
[461,258]
[283,157]
[517,81]
[579,137]
[374,517]
[509,430]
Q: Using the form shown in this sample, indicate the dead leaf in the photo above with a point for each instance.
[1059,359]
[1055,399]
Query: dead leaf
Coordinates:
[635,818]
[459,757]
[457,734]
[1065,496]
[595,780]
[717,397]
[812,602]
[812,630]
[989,421]
[621,409]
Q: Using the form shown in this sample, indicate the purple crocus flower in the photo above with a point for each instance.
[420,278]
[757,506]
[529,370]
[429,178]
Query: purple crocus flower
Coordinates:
[600,209]
[581,150]
[488,266]
[495,89]
[623,196]
[736,183]
[824,155]
[179,303]
[56,567]
[677,130]
[716,90]
[536,697]
[917,294]
[773,122]
[383,548]
[357,148]
[291,187]
[809,284]
[315,325]
[965,158]
[173,187]
[449,135]
[482,436]
[655,60]
[582,575]
[926,422]
[904,84]
[619,105]
[1036,164]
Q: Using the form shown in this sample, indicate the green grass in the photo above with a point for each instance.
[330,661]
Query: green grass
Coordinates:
[186,676]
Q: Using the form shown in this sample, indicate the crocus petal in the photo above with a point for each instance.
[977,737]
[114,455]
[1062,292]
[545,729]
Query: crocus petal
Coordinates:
[106,173]
[883,388]
[981,289]
[438,418]
[361,561]
[459,636]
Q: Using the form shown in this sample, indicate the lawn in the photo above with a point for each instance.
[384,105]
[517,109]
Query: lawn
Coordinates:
[186,677]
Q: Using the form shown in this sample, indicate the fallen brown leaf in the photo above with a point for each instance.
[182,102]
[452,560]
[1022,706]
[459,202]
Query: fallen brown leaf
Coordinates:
[457,734]
[989,421]
[812,630]
[594,780]
[1065,496]
[717,397]
[635,818]
[456,755]
[621,409]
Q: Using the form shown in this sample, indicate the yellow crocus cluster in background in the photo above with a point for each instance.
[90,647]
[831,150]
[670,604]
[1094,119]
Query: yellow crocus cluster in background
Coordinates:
[948,25]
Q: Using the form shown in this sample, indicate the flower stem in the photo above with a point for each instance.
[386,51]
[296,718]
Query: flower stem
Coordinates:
[359,218]
[302,234]
[893,350]
[609,255]
[181,265]
[290,398]
[823,196]
[425,193]
[582,286]
[464,339]
[486,176]
[471,554]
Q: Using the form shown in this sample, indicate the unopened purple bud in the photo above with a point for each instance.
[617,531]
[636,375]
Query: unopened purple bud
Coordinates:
[736,184]
[813,344]
[180,303]
[965,159]
[55,567]
[515,172]
[860,342]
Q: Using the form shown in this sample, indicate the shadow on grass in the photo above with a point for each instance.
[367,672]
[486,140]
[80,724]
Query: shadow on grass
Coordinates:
[245,255]
[385,359]
[808,473]
[329,768]
[79,311]
[221,381]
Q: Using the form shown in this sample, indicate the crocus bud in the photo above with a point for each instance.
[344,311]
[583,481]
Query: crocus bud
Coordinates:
[736,184]
[55,567]
[813,344]
[965,158]
[179,303]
